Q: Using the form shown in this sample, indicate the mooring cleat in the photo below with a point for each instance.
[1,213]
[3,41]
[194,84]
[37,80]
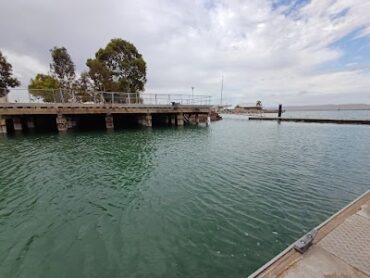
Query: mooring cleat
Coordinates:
[305,242]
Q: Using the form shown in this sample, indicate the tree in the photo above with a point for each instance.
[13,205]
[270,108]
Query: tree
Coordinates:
[6,76]
[45,87]
[62,68]
[84,88]
[118,67]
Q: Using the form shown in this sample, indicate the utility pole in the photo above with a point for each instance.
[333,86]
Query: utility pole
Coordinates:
[222,87]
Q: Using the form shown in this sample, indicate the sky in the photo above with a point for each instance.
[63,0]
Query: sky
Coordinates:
[277,51]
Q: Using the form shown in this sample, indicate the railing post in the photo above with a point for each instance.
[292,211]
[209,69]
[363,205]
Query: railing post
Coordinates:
[156,100]
[112,99]
[129,98]
[61,95]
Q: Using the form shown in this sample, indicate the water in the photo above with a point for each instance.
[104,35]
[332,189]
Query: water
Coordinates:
[172,202]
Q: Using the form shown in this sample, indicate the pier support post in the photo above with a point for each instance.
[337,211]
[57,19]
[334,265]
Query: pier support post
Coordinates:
[3,129]
[146,120]
[69,123]
[17,124]
[197,119]
[62,123]
[109,123]
[30,123]
[208,122]
[167,120]
[173,119]
[180,119]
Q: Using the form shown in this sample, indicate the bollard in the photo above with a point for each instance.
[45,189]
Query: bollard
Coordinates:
[280,110]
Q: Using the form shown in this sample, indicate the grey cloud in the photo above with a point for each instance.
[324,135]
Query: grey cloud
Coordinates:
[192,43]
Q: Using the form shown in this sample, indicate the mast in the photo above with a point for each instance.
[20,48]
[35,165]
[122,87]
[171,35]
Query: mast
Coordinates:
[222,87]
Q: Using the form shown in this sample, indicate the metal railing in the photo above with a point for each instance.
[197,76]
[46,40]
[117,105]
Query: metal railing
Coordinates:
[98,97]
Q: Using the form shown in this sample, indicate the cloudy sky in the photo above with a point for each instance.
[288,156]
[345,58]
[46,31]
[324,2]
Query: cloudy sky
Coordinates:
[279,51]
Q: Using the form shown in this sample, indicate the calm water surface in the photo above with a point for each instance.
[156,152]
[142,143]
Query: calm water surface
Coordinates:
[172,202]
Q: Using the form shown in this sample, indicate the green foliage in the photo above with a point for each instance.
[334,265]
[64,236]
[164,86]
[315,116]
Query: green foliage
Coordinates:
[6,76]
[83,89]
[118,67]
[62,68]
[45,87]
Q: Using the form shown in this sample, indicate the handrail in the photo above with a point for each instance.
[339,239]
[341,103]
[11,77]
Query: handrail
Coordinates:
[94,97]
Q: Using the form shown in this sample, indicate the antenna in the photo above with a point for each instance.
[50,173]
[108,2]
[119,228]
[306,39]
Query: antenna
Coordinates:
[222,87]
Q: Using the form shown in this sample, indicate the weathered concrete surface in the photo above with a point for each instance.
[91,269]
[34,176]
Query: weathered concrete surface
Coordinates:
[73,108]
[62,123]
[17,124]
[31,123]
[341,248]
[3,129]
[180,119]
[320,263]
[109,123]
[67,113]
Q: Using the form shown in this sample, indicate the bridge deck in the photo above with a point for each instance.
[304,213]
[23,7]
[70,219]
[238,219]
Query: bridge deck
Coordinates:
[75,108]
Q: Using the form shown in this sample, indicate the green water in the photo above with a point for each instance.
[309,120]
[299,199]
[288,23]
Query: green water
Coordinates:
[171,202]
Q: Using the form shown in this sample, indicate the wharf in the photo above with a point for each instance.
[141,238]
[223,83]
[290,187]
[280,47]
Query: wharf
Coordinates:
[341,248]
[313,120]
[64,116]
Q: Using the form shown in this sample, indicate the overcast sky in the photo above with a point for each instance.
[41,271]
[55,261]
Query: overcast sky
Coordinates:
[290,52]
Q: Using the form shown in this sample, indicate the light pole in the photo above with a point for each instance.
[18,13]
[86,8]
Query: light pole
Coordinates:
[192,93]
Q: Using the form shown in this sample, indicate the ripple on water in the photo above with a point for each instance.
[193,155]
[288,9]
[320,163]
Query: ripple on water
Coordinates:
[167,202]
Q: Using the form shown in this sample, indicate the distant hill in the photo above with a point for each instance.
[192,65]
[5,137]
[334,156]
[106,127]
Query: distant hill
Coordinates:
[328,107]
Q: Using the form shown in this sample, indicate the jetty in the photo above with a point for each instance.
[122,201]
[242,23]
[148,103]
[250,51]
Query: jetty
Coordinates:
[313,120]
[147,110]
[339,247]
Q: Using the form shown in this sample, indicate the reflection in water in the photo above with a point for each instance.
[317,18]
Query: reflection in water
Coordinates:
[171,202]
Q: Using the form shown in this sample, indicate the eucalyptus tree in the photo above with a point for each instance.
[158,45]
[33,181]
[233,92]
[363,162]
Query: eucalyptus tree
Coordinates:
[119,67]
[6,76]
[62,67]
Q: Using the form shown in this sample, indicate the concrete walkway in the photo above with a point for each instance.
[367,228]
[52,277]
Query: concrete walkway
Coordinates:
[341,248]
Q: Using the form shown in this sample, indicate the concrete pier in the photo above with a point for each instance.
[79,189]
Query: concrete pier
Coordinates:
[67,115]
[3,129]
[173,120]
[340,248]
[180,119]
[208,120]
[62,123]
[311,120]
[30,123]
[196,119]
[17,124]
[148,120]
[109,123]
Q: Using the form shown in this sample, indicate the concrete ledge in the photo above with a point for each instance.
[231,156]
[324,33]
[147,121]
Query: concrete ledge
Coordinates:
[308,120]
[73,108]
